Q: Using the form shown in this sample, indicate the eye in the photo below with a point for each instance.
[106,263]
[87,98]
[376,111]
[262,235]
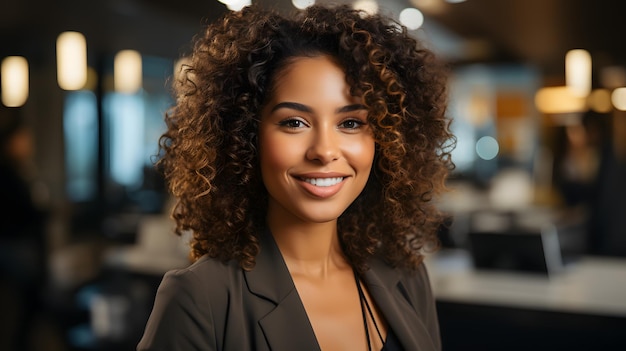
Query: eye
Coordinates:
[351,124]
[292,123]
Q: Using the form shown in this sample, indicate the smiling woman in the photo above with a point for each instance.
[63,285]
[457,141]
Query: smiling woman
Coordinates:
[333,121]
[316,148]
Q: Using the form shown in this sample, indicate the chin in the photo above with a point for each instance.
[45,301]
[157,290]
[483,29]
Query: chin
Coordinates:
[322,216]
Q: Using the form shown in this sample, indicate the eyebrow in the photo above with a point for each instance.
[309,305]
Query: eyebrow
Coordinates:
[304,108]
[350,108]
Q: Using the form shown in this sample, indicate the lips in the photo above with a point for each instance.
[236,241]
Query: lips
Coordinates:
[321,185]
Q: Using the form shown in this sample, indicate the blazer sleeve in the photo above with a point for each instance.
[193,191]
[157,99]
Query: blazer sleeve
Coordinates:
[427,306]
[420,296]
[181,318]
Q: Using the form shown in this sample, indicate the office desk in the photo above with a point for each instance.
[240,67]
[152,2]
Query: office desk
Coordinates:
[581,308]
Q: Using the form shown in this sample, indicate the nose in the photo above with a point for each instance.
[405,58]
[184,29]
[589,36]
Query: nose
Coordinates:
[324,146]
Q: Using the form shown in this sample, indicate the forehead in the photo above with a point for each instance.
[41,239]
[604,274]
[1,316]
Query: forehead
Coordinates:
[310,77]
[296,68]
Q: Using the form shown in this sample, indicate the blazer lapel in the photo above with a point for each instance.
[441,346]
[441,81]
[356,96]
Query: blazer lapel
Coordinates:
[287,326]
[383,284]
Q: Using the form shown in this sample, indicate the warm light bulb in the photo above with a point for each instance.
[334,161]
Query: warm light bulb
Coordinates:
[369,6]
[127,74]
[618,98]
[71,60]
[578,72]
[559,100]
[14,73]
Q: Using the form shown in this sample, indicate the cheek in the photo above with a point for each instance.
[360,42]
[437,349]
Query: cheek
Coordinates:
[276,154]
[267,153]
[362,152]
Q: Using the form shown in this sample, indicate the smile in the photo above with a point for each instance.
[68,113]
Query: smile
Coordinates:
[323,182]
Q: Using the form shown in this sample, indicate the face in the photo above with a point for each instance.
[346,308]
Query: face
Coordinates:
[316,147]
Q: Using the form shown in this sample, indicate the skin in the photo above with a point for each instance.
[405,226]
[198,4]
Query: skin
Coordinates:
[313,128]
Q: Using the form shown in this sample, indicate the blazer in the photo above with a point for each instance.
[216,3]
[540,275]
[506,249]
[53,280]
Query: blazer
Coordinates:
[212,306]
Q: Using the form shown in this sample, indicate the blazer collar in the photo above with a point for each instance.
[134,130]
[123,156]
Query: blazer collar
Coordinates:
[385,285]
[287,326]
[270,278]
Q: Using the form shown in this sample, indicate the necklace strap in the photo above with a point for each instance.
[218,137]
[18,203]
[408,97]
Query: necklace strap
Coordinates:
[365,305]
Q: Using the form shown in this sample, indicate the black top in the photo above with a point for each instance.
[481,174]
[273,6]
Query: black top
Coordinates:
[392,343]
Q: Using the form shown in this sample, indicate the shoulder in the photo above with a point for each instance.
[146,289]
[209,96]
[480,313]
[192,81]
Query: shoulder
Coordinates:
[207,266]
[187,304]
[199,276]
[201,286]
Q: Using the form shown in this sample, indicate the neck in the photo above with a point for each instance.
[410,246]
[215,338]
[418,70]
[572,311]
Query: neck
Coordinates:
[310,249]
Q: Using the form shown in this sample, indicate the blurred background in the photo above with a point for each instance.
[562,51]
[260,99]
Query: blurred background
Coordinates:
[534,250]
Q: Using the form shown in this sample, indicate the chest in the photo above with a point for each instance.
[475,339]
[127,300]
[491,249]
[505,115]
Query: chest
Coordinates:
[342,314]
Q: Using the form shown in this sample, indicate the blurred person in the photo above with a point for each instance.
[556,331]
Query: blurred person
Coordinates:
[607,217]
[304,154]
[591,180]
[22,235]
[579,161]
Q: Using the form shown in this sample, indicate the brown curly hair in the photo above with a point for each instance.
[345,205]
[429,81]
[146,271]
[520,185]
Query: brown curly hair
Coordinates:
[209,151]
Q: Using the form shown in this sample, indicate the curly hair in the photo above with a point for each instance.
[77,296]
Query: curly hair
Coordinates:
[209,151]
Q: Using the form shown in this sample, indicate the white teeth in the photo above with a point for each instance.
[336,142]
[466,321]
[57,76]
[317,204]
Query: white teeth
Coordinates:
[323,181]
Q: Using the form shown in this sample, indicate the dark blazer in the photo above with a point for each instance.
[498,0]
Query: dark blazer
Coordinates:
[216,306]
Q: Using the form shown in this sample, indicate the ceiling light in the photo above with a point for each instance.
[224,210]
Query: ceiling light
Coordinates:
[578,71]
[127,74]
[14,74]
[412,18]
[71,60]
[559,100]
[302,4]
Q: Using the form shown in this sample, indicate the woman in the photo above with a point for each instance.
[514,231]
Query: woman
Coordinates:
[304,153]
[22,235]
